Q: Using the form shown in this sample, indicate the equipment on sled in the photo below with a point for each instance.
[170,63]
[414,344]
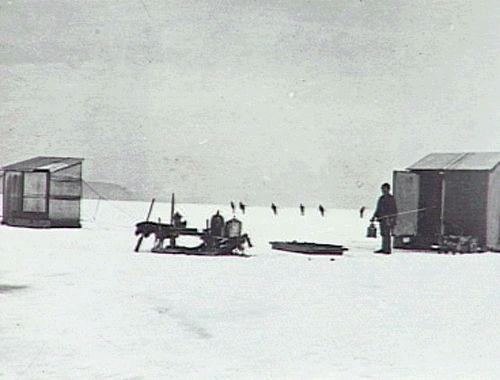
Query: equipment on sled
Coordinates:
[218,238]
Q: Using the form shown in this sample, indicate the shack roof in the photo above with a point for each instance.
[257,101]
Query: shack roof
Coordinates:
[51,164]
[458,161]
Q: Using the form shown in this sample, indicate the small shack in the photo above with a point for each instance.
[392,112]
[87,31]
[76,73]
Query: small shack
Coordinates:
[43,192]
[449,194]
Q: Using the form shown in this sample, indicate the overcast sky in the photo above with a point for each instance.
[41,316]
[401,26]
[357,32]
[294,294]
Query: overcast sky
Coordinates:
[287,101]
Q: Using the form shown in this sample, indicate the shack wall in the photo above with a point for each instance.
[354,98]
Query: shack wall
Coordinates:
[12,194]
[25,199]
[65,196]
[35,194]
[465,203]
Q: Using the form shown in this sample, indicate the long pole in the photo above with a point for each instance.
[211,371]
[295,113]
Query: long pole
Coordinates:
[443,195]
[172,209]
[141,238]
[150,209]
[407,212]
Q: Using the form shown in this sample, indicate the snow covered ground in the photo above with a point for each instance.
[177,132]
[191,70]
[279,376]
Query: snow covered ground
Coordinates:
[79,304]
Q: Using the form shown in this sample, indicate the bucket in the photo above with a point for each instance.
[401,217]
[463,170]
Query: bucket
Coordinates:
[371,231]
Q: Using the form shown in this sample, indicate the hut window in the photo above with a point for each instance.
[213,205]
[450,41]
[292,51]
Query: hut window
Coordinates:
[35,192]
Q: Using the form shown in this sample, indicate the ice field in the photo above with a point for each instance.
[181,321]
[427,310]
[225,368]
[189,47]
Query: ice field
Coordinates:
[80,304]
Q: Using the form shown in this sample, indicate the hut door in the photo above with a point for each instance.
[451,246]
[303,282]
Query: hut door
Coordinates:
[35,192]
[406,192]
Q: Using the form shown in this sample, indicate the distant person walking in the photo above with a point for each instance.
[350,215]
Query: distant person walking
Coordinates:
[242,207]
[274,208]
[302,209]
[321,210]
[385,214]
[362,211]
[233,207]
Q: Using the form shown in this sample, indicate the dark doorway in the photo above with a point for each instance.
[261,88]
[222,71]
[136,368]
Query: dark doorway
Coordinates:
[465,204]
[429,223]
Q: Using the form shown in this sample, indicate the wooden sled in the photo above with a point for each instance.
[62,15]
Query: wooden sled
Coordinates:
[308,248]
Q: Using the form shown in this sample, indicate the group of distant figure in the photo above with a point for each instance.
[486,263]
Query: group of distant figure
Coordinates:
[302,209]
[242,207]
[274,208]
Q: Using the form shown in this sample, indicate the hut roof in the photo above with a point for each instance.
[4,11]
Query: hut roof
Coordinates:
[458,161]
[51,164]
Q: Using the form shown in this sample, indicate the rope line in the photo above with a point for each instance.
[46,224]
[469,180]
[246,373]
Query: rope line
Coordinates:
[102,197]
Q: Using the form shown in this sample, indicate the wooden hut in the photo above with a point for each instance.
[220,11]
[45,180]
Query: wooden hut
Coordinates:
[43,192]
[449,194]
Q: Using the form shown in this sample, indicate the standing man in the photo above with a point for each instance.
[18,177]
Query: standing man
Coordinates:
[274,208]
[321,210]
[302,209]
[242,207]
[362,211]
[385,214]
